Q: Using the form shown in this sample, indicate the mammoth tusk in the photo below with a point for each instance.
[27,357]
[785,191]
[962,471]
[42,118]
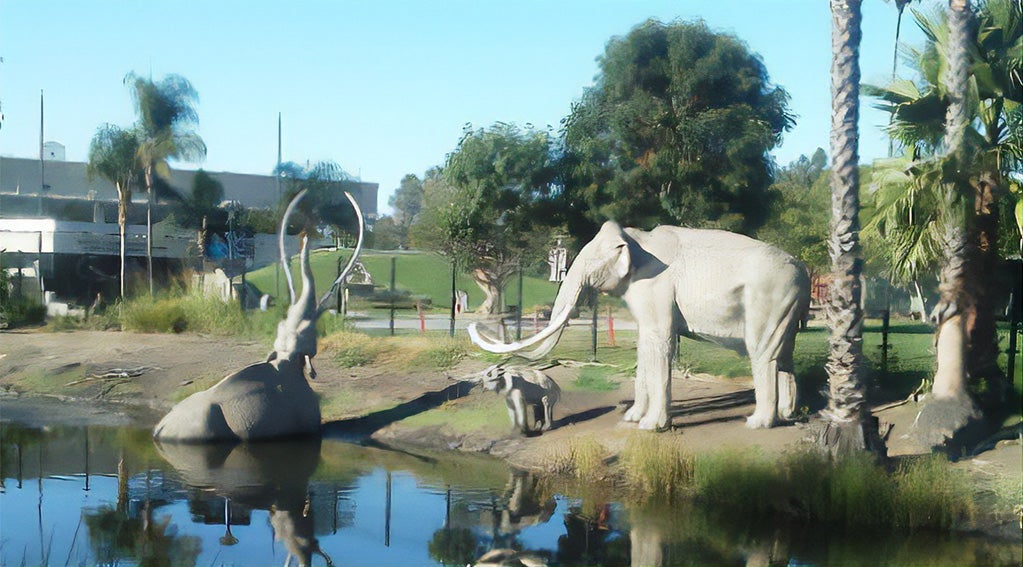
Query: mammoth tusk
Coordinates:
[490,345]
[280,242]
[355,254]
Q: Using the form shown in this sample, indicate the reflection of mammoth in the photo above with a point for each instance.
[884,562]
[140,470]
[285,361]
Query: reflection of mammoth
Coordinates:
[527,505]
[266,476]
[711,284]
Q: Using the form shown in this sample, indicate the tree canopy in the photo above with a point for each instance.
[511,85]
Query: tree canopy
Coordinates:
[798,219]
[407,201]
[676,129]
[482,209]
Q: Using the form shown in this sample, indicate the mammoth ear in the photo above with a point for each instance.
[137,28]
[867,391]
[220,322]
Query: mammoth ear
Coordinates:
[623,263]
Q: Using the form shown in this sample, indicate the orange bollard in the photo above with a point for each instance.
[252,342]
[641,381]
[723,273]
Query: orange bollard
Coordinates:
[422,319]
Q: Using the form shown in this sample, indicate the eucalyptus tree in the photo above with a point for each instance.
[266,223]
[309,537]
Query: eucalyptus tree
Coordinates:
[113,156]
[676,129]
[946,201]
[166,121]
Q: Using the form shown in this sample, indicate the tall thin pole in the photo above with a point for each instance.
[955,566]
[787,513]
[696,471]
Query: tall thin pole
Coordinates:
[42,168]
[393,261]
[277,184]
[518,316]
[454,300]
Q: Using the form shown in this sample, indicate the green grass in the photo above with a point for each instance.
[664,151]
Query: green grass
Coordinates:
[420,273]
[757,488]
[597,379]
[473,414]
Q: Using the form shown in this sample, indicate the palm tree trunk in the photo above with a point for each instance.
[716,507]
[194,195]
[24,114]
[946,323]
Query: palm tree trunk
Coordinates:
[950,408]
[982,354]
[847,423]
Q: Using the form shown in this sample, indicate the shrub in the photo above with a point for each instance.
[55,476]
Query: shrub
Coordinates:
[931,494]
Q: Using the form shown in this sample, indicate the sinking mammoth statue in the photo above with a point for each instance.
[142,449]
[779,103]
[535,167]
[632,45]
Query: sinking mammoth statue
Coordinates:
[708,284]
[269,399]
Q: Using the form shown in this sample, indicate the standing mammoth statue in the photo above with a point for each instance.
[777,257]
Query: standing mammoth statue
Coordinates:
[269,399]
[708,284]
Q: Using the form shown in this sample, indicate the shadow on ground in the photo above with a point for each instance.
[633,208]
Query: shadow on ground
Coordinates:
[365,426]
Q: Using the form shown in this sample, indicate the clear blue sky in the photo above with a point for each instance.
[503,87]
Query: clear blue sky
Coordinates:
[382,87]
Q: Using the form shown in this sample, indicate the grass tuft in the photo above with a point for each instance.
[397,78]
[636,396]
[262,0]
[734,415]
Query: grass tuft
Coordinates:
[657,465]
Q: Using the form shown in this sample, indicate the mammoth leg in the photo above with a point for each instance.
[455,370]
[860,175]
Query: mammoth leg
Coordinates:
[656,350]
[515,400]
[640,404]
[765,386]
[309,364]
[771,358]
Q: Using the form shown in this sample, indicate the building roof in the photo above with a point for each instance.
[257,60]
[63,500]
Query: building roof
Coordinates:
[68,179]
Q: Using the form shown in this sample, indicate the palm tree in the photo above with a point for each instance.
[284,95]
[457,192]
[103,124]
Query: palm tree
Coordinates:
[112,156]
[847,424]
[167,118]
[974,74]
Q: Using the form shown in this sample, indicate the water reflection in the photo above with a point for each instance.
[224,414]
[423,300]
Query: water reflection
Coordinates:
[264,476]
[110,496]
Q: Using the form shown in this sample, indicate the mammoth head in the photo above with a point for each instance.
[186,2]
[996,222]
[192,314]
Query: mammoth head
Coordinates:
[604,263]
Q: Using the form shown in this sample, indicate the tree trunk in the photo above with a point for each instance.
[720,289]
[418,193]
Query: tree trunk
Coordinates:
[950,408]
[983,267]
[847,424]
[491,291]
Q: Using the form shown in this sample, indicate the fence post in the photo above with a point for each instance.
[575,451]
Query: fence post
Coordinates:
[1013,324]
[593,330]
[518,316]
[391,326]
[454,300]
[885,320]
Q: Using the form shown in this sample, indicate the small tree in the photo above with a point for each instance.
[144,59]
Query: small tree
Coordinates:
[113,156]
[485,207]
[407,201]
[166,123]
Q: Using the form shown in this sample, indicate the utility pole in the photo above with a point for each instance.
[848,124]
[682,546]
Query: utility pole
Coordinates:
[277,183]
[42,168]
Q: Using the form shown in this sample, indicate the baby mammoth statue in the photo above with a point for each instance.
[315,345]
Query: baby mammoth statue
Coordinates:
[527,391]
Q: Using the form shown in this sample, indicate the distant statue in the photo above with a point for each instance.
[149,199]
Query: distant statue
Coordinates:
[557,258]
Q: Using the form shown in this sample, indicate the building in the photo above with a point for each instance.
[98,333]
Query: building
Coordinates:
[67,179]
[59,233]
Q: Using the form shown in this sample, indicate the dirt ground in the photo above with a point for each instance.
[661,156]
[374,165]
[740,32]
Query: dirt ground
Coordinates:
[708,412]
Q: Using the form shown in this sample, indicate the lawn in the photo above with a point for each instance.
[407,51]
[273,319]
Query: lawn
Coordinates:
[421,273]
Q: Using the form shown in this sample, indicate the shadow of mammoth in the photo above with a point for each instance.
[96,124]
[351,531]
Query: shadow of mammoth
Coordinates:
[262,401]
[264,476]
